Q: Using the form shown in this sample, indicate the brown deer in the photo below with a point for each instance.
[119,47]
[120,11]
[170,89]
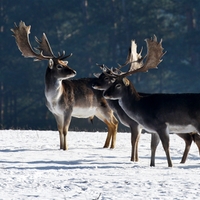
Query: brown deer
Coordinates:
[159,114]
[66,98]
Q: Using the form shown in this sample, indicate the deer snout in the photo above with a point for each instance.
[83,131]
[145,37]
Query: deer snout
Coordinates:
[96,87]
[109,95]
[105,95]
[72,74]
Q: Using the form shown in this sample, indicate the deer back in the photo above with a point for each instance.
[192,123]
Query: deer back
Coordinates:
[156,110]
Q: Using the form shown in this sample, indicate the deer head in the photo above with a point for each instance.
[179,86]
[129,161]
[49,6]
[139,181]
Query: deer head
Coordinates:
[43,51]
[104,79]
[136,61]
[137,64]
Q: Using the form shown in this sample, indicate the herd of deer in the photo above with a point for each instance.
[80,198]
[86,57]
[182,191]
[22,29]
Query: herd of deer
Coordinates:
[111,92]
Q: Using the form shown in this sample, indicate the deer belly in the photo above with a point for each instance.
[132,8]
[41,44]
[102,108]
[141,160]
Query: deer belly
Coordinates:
[181,128]
[83,112]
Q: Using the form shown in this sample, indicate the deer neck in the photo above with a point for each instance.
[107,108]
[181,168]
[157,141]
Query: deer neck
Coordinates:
[53,88]
[129,100]
[133,93]
[130,93]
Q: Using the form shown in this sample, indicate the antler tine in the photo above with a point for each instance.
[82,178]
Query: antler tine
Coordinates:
[99,64]
[154,53]
[107,71]
[62,57]
[21,34]
[127,60]
[120,66]
[103,67]
[133,58]
[153,57]
[44,46]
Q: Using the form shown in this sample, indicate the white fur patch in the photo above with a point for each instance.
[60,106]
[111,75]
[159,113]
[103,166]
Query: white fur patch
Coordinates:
[83,112]
[181,129]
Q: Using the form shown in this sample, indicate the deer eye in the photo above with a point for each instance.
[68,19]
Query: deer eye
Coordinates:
[59,67]
[106,79]
[118,86]
[112,80]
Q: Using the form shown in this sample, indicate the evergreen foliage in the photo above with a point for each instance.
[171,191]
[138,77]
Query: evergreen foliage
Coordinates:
[95,32]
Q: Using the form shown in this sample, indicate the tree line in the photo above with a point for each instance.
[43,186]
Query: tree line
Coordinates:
[95,32]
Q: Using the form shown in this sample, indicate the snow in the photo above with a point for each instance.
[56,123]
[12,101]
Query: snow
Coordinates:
[33,167]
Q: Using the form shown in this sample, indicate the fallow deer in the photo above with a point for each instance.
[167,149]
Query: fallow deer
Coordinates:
[66,98]
[158,113]
[103,82]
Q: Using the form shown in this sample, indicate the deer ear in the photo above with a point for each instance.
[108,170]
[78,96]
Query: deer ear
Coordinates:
[97,75]
[62,62]
[51,63]
[126,81]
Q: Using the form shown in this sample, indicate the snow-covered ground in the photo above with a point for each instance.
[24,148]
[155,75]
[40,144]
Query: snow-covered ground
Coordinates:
[33,167]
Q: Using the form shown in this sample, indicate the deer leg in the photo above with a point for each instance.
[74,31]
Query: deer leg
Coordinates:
[196,139]
[112,123]
[65,147]
[63,125]
[109,135]
[164,137]
[61,136]
[60,129]
[155,139]
[135,136]
[114,126]
[108,138]
[136,147]
[112,133]
[187,137]
[67,121]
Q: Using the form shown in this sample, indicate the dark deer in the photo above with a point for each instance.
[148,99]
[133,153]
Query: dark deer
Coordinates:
[157,113]
[103,82]
[66,98]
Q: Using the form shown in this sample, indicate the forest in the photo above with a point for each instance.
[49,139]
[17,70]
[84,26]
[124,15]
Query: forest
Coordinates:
[97,31]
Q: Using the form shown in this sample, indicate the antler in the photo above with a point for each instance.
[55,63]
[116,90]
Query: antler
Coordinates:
[136,61]
[154,53]
[21,34]
[44,46]
[103,67]
[133,58]
[109,72]
[152,58]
